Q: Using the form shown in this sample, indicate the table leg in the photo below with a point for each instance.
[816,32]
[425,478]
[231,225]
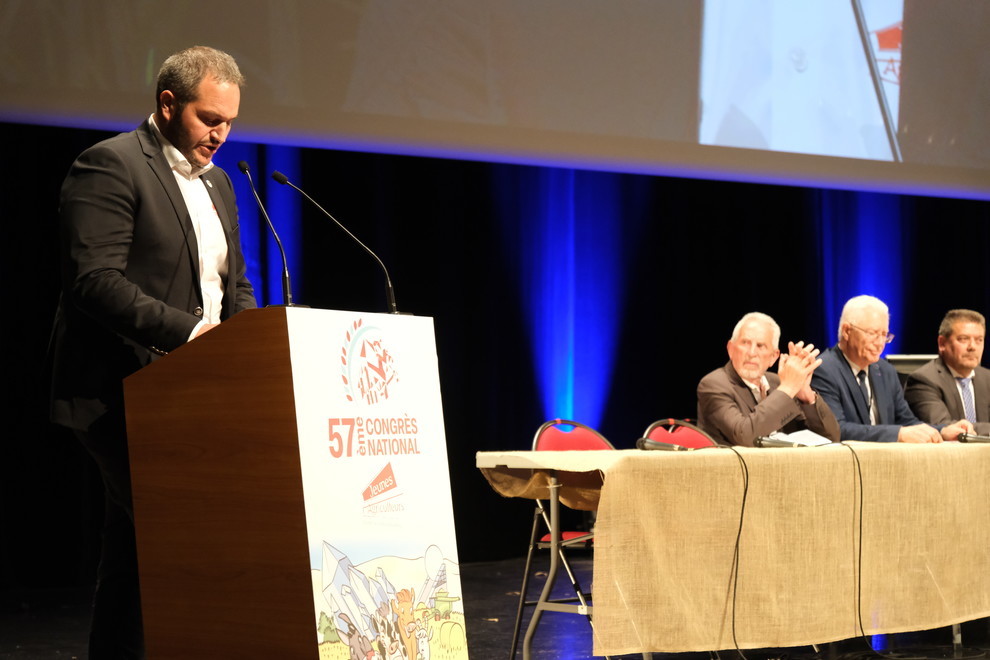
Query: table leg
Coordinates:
[554,561]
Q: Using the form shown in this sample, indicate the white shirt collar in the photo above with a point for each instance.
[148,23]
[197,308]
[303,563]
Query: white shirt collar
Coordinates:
[764,386]
[956,374]
[852,365]
[175,159]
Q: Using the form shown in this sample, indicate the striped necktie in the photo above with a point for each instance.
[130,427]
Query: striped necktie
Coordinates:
[969,407]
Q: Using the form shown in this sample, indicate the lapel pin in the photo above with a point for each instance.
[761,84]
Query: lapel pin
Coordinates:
[209,183]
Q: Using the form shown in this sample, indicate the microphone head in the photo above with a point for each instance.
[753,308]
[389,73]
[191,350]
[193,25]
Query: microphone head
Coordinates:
[243,166]
[647,443]
[280,178]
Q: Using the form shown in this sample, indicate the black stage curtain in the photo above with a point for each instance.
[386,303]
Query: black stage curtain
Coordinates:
[704,253]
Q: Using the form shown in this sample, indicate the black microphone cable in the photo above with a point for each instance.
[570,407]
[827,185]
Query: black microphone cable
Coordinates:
[735,554]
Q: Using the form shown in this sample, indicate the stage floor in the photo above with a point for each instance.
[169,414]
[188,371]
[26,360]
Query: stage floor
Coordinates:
[53,624]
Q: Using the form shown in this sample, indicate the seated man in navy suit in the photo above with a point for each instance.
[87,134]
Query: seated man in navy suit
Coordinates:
[864,391]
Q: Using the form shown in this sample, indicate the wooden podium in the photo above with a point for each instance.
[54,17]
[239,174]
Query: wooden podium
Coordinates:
[218,497]
[290,481]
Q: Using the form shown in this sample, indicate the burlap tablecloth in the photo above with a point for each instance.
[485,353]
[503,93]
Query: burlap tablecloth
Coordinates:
[668,522]
[527,474]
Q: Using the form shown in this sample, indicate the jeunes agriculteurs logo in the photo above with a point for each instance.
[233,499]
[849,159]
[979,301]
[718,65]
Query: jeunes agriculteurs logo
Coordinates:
[367,367]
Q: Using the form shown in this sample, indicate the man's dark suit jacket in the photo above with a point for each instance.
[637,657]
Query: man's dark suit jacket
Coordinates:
[727,410]
[933,396]
[130,271]
[834,381]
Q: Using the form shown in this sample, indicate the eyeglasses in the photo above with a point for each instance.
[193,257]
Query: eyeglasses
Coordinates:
[887,337]
[747,344]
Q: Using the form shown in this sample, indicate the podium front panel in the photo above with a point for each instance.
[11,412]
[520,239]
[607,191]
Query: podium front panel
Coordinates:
[372,447]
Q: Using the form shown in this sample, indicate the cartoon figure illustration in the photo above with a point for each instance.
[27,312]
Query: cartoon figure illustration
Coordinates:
[359,645]
[423,639]
[388,644]
[383,622]
[403,605]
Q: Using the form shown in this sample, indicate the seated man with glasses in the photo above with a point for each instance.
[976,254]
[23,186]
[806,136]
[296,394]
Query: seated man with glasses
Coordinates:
[954,385]
[864,391]
[741,402]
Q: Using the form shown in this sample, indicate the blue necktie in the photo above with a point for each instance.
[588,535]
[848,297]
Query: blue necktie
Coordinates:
[967,398]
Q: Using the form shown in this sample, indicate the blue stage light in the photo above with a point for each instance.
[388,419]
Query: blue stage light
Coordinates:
[264,263]
[565,226]
[285,209]
[860,243]
[252,225]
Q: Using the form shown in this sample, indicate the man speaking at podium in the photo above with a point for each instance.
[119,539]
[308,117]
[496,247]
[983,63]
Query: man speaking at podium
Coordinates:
[151,258]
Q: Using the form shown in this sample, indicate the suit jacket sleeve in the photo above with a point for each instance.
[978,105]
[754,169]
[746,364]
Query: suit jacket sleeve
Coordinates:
[818,417]
[891,393]
[828,381]
[721,409]
[934,396]
[981,387]
[926,399]
[129,250]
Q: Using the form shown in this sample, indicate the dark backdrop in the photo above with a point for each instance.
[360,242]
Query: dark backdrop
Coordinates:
[698,255]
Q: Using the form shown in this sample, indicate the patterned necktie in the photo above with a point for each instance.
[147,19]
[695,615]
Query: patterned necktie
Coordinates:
[967,398]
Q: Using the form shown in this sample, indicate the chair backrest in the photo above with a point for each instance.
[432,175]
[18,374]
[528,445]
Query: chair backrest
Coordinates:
[679,432]
[564,435]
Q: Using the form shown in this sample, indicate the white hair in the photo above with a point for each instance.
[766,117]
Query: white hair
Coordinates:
[854,308]
[761,318]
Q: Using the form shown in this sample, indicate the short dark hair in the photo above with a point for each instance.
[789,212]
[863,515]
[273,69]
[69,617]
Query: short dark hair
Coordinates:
[182,72]
[955,315]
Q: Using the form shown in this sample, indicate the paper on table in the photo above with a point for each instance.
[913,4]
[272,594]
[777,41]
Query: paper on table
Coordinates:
[803,437]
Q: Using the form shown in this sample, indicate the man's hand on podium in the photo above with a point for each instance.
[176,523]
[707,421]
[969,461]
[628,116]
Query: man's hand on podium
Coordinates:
[206,328]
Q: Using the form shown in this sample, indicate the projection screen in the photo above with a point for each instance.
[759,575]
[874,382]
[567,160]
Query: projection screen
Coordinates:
[885,95]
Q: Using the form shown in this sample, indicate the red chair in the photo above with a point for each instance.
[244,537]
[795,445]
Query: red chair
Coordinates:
[675,435]
[557,435]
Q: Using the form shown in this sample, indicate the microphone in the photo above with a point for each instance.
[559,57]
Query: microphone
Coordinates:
[776,442]
[646,443]
[389,291]
[967,437]
[286,288]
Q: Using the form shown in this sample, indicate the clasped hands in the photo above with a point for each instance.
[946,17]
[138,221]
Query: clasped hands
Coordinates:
[795,370]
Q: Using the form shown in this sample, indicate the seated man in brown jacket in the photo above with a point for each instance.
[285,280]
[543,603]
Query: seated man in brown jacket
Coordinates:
[742,402]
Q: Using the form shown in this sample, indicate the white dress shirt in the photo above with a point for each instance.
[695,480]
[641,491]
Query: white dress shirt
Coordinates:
[206,224]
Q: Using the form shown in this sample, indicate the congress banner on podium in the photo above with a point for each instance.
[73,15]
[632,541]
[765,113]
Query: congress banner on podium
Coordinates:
[383,555]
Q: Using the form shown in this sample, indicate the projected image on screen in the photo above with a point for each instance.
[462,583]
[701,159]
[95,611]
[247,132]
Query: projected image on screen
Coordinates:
[887,80]
[794,76]
[869,94]
[620,68]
